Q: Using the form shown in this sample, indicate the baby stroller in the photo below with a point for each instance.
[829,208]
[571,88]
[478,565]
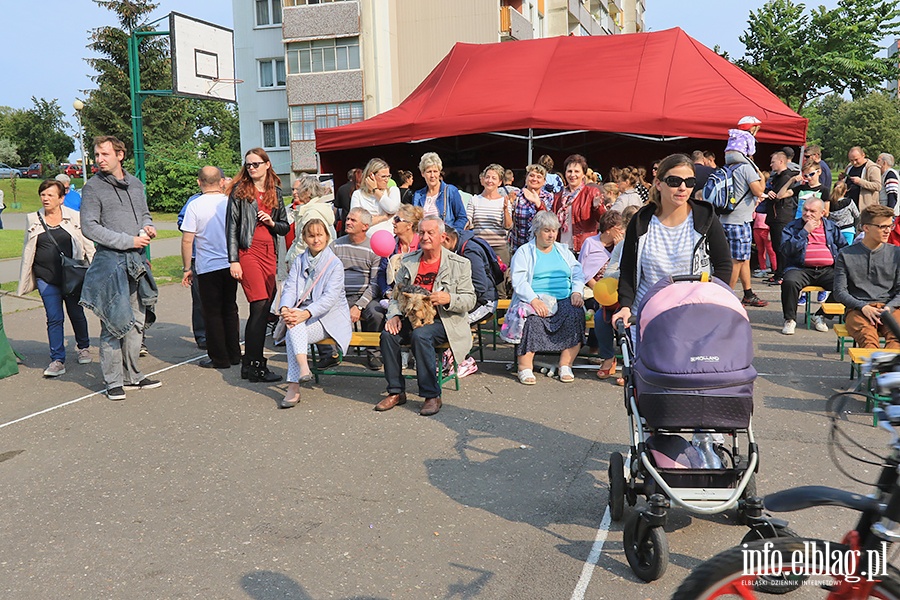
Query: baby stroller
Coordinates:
[687,372]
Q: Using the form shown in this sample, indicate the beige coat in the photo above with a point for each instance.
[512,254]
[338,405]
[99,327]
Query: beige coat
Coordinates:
[869,184]
[71,222]
[455,277]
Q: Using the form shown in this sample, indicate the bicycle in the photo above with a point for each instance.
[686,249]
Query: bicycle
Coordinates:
[858,566]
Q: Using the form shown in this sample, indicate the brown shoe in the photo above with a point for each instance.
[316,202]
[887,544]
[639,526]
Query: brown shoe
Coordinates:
[431,407]
[391,401]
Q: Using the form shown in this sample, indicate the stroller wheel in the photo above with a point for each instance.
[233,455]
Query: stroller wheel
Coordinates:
[616,486]
[779,584]
[646,548]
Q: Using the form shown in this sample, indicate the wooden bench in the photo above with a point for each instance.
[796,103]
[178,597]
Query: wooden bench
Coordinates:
[858,357]
[843,338]
[807,291]
[834,309]
[372,340]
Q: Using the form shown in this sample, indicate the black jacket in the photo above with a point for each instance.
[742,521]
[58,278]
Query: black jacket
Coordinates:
[711,253]
[485,290]
[240,223]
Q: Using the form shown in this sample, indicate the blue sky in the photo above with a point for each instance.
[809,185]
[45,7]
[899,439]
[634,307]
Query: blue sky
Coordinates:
[45,56]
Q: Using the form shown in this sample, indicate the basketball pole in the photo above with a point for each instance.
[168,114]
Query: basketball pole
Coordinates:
[137,98]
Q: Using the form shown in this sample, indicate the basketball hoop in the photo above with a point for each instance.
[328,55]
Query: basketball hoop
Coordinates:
[221,81]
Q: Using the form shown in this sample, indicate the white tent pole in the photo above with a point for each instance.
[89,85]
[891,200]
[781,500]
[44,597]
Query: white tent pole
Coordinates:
[530,145]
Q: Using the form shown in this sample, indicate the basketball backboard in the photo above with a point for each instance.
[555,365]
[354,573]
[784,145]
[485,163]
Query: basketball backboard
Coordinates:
[202,59]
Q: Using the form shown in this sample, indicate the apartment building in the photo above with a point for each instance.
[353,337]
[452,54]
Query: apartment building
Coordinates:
[309,64]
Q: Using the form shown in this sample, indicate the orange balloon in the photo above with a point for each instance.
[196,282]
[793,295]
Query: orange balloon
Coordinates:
[606,291]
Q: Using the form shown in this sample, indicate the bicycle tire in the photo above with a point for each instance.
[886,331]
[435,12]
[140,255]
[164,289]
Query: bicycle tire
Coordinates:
[722,576]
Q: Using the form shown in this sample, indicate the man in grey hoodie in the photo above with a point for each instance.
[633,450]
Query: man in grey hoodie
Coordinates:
[118,287]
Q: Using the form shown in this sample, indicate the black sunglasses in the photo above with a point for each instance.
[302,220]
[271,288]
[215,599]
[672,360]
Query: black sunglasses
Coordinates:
[673,181]
[399,220]
[254,165]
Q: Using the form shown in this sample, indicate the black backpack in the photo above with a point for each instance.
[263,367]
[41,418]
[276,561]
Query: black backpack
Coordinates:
[496,271]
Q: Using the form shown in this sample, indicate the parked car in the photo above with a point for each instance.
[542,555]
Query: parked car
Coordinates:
[6,172]
[34,171]
[71,170]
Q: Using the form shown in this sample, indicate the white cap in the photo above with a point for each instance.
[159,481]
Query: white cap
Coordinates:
[747,123]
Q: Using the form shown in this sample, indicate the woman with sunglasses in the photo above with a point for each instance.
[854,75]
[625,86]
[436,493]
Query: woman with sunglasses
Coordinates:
[253,221]
[406,224]
[672,235]
[376,196]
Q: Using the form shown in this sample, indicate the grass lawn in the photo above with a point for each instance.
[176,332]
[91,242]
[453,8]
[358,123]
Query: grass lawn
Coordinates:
[11,241]
[29,199]
[167,269]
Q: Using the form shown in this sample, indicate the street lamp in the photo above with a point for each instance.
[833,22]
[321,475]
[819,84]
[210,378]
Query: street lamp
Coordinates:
[78,105]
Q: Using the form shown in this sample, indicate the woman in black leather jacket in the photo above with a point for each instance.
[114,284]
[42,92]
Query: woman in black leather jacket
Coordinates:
[254,218]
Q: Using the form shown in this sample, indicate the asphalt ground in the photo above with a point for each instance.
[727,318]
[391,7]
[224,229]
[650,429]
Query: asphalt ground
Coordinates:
[203,489]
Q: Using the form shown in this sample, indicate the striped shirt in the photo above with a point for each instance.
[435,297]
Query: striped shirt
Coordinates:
[667,251]
[817,252]
[486,218]
[360,270]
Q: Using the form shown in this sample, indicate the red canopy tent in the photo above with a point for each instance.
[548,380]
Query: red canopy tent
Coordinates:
[649,87]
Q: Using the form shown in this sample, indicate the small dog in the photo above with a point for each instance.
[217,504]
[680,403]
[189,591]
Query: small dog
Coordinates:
[415,303]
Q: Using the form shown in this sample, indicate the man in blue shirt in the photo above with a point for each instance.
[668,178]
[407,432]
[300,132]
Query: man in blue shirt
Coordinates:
[72,198]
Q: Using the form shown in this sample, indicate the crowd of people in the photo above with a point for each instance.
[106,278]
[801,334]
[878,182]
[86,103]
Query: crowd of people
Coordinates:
[421,266]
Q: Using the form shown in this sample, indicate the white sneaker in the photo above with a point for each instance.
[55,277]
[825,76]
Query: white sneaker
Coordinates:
[819,323]
[789,326]
[55,369]
[84,356]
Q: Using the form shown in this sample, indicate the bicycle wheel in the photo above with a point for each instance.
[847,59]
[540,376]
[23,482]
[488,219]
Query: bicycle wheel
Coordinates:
[723,576]
[616,486]
[774,584]
[648,556]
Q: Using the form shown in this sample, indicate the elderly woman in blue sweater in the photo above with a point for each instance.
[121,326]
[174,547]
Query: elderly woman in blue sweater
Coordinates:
[313,304]
[546,313]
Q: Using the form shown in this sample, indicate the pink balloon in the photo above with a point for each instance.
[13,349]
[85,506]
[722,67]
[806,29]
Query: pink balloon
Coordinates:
[383,243]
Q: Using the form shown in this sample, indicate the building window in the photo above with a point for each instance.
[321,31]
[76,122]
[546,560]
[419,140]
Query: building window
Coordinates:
[268,12]
[271,73]
[307,118]
[307,2]
[275,134]
[322,56]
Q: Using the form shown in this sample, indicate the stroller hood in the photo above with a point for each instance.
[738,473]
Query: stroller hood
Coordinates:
[695,352]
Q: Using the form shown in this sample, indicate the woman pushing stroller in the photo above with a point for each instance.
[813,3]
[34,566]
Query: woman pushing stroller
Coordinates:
[671,235]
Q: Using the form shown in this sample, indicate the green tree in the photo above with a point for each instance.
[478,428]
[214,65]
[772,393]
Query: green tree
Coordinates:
[39,132]
[172,170]
[802,56]
[8,153]
[872,122]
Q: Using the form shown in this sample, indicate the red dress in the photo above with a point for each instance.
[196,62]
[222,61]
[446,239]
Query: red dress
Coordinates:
[259,262]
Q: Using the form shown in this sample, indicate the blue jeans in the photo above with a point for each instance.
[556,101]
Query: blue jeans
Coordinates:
[423,341]
[53,305]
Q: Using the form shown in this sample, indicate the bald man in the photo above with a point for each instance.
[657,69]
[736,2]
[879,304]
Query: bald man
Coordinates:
[203,231]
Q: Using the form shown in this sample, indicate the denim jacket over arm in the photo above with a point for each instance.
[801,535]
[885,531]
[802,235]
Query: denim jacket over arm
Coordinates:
[106,289]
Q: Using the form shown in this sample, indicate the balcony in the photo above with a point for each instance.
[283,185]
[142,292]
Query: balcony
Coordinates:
[320,21]
[514,26]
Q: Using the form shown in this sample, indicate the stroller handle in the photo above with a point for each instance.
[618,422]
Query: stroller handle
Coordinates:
[704,277]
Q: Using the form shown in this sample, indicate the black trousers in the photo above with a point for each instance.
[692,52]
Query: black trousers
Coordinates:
[797,279]
[218,298]
[775,230]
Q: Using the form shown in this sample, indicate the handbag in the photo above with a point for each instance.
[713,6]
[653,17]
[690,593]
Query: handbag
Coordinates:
[73,269]
[280,331]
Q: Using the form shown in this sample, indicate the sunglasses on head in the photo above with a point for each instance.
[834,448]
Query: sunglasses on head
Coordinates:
[254,165]
[673,181]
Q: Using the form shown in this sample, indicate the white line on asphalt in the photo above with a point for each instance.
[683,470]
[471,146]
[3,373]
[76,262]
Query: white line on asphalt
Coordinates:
[91,395]
[588,570]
